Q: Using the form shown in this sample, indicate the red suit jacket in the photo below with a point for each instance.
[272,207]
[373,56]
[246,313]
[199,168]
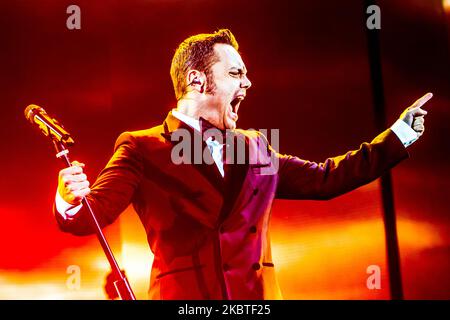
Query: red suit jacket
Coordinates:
[210,234]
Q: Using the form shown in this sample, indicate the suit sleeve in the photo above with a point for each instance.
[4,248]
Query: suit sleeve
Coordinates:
[302,179]
[112,191]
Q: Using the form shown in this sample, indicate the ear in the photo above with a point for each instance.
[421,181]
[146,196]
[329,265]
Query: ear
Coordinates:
[196,80]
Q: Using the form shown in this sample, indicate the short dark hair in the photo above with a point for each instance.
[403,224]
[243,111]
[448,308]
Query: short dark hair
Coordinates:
[197,52]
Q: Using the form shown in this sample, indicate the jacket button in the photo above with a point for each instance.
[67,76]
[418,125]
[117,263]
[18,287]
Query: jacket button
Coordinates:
[252,229]
[255,191]
[226,267]
[256,266]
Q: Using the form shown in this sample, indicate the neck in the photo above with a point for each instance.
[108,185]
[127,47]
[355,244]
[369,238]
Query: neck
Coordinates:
[196,107]
[189,107]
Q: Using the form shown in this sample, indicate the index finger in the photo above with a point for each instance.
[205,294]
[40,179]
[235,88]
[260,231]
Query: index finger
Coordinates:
[420,102]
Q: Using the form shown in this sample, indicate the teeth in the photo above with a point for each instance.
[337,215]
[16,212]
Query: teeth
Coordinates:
[234,116]
[235,106]
[233,113]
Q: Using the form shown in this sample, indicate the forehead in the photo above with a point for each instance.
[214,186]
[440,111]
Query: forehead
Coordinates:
[228,56]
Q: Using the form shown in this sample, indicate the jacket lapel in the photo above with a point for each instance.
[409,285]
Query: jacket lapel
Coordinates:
[235,172]
[206,167]
[229,186]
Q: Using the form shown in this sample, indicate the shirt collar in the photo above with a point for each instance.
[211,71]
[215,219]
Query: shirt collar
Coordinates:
[193,123]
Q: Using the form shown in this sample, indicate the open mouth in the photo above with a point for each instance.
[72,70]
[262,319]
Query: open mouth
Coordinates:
[235,106]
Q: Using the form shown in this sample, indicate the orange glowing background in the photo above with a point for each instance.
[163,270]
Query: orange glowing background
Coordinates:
[310,75]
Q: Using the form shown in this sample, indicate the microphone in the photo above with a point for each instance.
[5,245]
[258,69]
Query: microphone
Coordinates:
[49,127]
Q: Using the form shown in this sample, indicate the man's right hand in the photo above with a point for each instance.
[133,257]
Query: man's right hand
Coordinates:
[73,185]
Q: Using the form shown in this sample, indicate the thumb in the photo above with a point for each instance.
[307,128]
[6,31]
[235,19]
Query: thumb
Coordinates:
[78,164]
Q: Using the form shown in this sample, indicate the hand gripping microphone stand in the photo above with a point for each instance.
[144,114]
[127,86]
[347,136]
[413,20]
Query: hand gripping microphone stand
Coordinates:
[60,143]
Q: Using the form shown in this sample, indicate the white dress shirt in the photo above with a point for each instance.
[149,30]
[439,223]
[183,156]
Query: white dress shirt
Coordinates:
[213,145]
[405,133]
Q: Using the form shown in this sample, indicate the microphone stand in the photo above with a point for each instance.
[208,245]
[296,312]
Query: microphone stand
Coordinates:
[121,283]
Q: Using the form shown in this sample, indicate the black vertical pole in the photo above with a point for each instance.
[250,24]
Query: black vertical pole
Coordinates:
[393,256]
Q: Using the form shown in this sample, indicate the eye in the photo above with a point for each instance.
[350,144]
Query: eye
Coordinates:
[237,74]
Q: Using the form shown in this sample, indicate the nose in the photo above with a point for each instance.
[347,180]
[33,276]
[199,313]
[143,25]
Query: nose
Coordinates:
[245,83]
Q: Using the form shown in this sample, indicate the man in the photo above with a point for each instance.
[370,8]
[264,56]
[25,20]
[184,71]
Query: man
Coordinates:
[207,224]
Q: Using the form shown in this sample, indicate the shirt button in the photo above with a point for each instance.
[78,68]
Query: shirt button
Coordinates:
[226,267]
[256,266]
[252,229]
[255,191]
